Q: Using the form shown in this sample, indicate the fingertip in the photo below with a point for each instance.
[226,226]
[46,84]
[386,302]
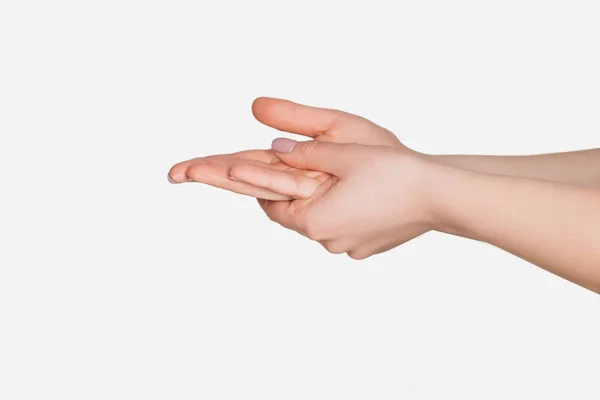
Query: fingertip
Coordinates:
[256,103]
[259,106]
[265,109]
[176,174]
[283,145]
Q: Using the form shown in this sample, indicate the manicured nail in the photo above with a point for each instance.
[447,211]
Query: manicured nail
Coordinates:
[283,145]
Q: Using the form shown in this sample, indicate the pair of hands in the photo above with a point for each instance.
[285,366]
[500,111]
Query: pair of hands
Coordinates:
[355,188]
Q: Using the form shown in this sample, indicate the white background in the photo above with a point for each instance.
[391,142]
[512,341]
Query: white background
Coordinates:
[116,285]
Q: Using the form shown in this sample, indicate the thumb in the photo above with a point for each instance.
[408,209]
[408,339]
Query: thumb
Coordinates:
[328,124]
[299,119]
[334,158]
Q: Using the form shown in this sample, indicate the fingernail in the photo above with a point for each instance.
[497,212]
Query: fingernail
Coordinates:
[283,145]
[169,179]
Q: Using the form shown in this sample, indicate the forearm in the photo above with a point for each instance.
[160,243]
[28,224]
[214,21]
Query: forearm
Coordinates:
[577,167]
[553,225]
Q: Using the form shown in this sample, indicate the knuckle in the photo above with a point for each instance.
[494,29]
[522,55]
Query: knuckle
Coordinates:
[310,232]
[194,172]
[334,247]
[311,227]
[268,209]
[271,216]
[308,147]
[358,255]
[298,188]
[275,218]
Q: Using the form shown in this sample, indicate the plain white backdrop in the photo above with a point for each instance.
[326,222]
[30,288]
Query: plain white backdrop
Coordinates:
[116,285]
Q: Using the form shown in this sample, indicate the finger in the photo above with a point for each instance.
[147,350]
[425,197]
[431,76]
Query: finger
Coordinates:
[288,116]
[323,123]
[285,183]
[282,212]
[217,175]
[334,158]
[178,172]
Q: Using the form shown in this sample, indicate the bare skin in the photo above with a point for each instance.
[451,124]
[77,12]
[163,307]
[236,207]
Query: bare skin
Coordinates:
[214,171]
[575,167]
[374,193]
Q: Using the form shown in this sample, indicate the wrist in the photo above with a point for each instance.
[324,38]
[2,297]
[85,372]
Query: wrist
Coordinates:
[415,190]
[431,158]
[439,184]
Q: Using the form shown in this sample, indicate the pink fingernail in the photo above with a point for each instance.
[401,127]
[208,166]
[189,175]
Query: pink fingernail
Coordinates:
[283,145]
[169,179]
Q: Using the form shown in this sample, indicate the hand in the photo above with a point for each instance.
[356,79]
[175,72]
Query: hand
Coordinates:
[375,199]
[256,176]
[319,123]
